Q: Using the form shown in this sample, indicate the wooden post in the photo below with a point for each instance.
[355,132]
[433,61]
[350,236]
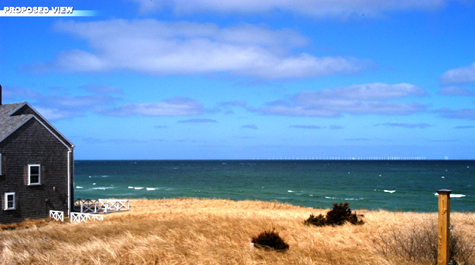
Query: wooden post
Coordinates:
[444,223]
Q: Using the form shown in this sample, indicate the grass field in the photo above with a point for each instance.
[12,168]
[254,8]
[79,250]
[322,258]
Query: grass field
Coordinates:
[212,231]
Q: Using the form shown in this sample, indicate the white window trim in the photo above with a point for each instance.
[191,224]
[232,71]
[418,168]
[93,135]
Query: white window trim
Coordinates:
[29,174]
[6,208]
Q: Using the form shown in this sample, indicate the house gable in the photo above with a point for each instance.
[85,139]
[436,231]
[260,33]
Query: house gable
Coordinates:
[15,115]
[36,165]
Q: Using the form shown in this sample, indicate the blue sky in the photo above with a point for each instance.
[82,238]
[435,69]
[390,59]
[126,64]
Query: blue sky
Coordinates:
[208,79]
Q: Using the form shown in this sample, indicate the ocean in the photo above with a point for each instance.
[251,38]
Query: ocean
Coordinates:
[394,185]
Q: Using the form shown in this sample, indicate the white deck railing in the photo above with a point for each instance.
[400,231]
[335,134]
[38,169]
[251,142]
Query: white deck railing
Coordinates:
[57,215]
[115,205]
[86,205]
[84,217]
[102,206]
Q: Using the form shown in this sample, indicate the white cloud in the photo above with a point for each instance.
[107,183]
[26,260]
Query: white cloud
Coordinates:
[19,94]
[198,121]
[372,91]
[53,114]
[103,89]
[64,106]
[57,104]
[300,126]
[313,8]
[169,48]
[233,103]
[459,75]
[249,126]
[337,108]
[456,91]
[179,106]
[405,125]
[89,102]
[356,99]
[457,113]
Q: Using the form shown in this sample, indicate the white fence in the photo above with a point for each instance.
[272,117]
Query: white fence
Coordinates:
[57,215]
[101,206]
[84,217]
[115,205]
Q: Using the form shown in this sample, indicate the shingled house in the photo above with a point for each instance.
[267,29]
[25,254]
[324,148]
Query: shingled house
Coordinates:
[36,165]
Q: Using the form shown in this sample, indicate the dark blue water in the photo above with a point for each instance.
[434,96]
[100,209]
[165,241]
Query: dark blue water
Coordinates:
[390,185]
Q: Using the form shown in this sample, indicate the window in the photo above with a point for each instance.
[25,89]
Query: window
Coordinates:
[9,201]
[34,174]
[1,168]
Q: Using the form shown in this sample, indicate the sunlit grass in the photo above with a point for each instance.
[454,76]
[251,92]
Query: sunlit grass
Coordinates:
[206,231]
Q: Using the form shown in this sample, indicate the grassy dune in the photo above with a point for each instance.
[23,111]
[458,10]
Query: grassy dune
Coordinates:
[205,231]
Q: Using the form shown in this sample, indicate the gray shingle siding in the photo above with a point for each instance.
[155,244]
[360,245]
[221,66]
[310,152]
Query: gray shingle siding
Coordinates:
[31,140]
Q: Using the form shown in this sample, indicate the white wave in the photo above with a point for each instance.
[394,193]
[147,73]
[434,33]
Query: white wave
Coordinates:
[290,191]
[346,199]
[149,189]
[102,188]
[390,191]
[454,195]
[353,199]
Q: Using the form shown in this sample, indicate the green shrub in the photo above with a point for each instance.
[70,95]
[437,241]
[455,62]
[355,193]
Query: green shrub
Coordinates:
[316,220]
[269,240]
[338,215]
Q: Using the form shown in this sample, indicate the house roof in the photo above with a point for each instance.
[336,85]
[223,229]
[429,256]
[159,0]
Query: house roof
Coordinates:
[11,119]
[9,123]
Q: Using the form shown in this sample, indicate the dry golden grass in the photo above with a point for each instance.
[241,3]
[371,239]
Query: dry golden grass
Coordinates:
[205,231]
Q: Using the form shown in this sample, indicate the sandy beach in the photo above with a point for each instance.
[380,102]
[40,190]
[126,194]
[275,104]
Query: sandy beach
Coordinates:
[215,231]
